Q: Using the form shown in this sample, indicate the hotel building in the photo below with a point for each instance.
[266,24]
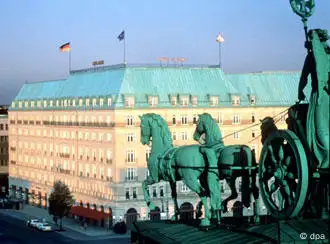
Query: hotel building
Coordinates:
[3,152]
[84,130]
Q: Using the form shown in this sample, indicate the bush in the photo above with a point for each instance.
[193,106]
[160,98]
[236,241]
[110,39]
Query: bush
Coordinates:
[120,228]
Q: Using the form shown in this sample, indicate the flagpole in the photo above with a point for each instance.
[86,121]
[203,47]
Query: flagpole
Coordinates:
[220,55]
[125,47]
[69,61]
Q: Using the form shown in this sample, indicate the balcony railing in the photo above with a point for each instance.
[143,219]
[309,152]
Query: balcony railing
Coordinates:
[88,124]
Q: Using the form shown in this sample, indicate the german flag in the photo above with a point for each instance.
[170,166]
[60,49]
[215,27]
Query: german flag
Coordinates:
[65,47]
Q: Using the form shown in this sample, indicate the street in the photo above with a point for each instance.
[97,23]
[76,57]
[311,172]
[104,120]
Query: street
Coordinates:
[14,231]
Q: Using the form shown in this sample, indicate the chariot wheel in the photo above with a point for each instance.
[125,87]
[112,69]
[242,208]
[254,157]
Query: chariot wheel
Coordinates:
[283,174]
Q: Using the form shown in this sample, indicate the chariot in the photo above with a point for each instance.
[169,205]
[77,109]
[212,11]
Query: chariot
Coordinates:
[294,163]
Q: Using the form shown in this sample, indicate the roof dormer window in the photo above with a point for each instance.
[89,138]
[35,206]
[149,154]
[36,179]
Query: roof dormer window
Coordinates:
[80,102]
[153,101]
[184,101]
[51,103]
[26,104]
[235,100]
[57,103]
[173,100]
[129,102]
[87,102]
[101,102]
[19,104]
[39,104]
[214,100]
[13,104]
[94,102]
[73,102]
[65,103]
[252,100]
[45,103]
[32,104]
[194,100]
[109,102]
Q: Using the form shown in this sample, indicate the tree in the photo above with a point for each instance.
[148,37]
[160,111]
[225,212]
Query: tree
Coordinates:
[60,201]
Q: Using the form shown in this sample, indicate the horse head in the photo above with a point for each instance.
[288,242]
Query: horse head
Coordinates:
[153,126]
[208,127]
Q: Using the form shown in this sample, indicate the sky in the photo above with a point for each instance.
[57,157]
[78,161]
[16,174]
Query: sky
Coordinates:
[262,36]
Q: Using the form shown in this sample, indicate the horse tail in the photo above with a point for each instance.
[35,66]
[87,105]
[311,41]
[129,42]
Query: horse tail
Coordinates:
[248,179]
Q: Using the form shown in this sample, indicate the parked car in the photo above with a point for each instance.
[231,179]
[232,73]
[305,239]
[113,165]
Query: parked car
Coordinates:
[44,227]
[34,222]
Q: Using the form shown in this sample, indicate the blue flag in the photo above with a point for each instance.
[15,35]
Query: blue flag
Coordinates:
[121,36]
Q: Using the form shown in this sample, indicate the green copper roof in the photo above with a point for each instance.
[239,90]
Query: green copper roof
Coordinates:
[272,88]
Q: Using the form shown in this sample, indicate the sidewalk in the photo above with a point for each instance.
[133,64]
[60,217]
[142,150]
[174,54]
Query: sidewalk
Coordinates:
[72,228]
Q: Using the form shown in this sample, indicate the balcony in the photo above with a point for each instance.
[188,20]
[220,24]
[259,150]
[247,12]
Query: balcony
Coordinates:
[131,179]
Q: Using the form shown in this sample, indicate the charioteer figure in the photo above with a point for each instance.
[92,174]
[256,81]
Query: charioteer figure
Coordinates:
[317,64]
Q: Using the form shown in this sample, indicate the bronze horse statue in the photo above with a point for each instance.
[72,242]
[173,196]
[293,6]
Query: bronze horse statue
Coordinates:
[231,161]
[172,164]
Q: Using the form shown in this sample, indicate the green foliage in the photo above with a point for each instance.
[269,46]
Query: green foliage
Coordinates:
[60,200]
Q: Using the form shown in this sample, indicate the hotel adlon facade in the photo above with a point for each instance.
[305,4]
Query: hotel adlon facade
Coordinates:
[84,130]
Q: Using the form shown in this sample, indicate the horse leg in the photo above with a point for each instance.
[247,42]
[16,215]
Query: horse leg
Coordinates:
[215,199]
[231,182]
[191,181]
[175,200]
[145,184]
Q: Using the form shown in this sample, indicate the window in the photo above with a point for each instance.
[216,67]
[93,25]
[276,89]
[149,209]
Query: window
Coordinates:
[236,119]
[129,120]
[101,102]
[45,104]
[235,100]
[253,119]
[19,104]
[252,100]
[173,100]
[32,104]
[6,126]
[134,191]
[174,136]
[184,101]
[214,100]
[65,103]
[184,119]
[131,174]
[184,136]
[253,134]
[1,127]
[109,102]
[131,137]
[51,103]
[80,102]
[194,118]
[129,102]
[174,120]
[194,100]
[154,191]
[94,102]
[161,191]
[153,101]
[130,156]
[236,135]
[184,188]
[127,193]
[87,102]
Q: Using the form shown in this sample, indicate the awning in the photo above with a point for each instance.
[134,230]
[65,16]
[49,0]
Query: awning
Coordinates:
[88,213]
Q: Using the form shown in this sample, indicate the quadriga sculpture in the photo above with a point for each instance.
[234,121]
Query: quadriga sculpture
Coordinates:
[172,164]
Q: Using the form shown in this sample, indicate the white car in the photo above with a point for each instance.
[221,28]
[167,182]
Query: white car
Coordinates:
[30,221]
[44,227]
[34,222]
